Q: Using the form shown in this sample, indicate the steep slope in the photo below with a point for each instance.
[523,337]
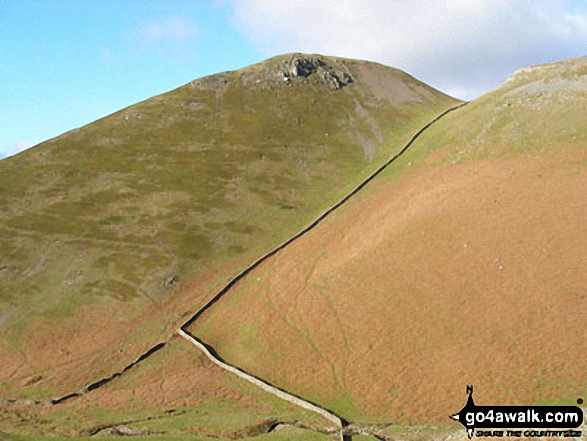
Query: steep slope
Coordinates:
[462,264]
[112,234]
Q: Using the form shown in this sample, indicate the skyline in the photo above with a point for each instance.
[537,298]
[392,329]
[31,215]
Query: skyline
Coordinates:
[65,64]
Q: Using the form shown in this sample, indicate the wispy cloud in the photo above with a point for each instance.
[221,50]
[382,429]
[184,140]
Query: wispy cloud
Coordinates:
[15,148]
[464,47]
[168,37]
[171,29]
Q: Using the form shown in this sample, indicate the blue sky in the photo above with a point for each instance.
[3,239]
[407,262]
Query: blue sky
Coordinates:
[66,63]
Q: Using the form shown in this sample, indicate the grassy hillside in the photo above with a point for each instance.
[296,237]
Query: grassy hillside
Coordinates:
[462,264]
[114,233]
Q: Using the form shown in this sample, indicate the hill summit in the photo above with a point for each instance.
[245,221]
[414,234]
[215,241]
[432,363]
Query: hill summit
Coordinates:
[122,229]
[286,69]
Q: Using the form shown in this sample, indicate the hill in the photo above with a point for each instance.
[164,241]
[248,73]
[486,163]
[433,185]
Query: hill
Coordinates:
[461,264]
[113,234]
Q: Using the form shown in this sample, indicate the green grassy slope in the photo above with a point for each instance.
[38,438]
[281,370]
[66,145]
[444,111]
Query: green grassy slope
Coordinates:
[537,111]
[103,228]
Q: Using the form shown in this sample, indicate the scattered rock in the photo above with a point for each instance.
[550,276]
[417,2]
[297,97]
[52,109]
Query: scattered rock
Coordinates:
[172,280]
[34,380]
[299,67]
[212,82]
[196,106]
[131,116]
[26,402]
[122,430]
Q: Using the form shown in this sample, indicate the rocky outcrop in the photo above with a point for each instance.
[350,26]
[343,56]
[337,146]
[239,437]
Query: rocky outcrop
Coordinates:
[301,66]
[122,430]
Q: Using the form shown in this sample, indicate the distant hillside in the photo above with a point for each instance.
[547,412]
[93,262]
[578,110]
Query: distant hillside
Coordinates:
[463,264]
[112,234]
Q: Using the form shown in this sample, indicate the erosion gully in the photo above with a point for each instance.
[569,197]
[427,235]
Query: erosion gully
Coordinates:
[341,427]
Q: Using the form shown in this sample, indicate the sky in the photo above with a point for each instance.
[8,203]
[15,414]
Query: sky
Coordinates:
[66,63]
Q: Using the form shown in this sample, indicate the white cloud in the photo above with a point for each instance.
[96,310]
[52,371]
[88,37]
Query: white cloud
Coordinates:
[463,47]
[13,149]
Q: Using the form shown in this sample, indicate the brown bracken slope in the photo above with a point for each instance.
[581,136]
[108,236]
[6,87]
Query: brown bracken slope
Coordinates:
[177,391]
[463,264]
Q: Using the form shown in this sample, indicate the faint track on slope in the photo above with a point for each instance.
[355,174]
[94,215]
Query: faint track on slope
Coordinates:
[317,221]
